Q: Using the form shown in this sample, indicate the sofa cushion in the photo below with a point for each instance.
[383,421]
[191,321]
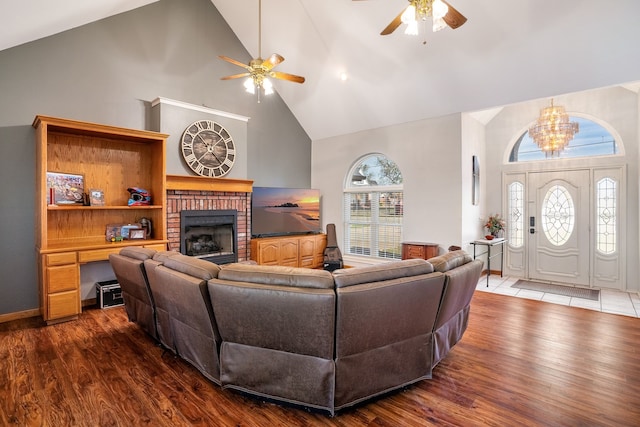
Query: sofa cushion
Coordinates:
[450,260]
[161,256]
[137,252]
[195,267]
[381,272]
[277,275]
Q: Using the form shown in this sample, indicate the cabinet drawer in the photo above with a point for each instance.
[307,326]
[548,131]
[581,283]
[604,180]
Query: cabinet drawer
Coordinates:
[61,258]
[97,254]
[62,278]
[415,252]
[63,304]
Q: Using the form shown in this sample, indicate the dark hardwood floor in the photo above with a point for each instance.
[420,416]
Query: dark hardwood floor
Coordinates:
[520,363]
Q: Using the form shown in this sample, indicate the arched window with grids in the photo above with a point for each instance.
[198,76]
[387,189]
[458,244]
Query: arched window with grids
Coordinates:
[373,208]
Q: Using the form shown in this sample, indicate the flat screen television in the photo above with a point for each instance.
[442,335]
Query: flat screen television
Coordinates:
[284,211]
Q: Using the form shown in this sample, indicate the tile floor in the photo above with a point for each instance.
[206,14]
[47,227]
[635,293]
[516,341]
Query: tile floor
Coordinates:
[614,302]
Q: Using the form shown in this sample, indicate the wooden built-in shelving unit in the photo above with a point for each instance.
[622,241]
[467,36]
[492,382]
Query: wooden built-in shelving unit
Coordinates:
[111,159]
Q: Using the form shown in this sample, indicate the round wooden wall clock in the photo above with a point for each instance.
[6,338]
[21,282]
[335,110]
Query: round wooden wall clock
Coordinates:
[208,148]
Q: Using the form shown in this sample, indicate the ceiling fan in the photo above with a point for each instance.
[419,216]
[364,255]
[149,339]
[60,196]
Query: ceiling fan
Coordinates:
[419,10]
[259,70]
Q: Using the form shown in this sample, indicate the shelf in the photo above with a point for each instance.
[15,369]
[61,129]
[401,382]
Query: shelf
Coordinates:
[125,207]
[92,243]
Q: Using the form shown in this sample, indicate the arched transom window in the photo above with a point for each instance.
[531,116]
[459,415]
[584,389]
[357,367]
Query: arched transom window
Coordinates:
[591,140]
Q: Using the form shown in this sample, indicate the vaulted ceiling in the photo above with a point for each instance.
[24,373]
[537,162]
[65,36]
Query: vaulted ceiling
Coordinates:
[507,52]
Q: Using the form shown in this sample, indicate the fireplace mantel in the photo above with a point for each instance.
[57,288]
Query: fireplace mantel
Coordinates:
[201,183]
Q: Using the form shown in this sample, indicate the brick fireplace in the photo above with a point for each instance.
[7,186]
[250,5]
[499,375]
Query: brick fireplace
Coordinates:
[190,193]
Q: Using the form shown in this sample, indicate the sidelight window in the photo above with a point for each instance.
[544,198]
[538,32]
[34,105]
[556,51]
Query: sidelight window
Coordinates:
[515,227]
[606,215]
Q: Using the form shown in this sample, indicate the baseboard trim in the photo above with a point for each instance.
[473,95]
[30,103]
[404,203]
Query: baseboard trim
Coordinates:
[36,312]
[19,315]
[493,272]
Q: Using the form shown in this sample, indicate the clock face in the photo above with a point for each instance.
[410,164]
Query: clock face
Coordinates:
[208,148]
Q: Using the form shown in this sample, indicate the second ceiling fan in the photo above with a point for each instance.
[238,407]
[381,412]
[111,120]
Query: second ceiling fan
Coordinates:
[259,70]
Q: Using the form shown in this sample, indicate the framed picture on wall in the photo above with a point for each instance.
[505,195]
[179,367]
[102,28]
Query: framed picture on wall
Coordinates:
[475,188]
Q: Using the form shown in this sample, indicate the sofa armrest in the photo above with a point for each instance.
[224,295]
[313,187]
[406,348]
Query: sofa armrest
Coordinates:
[460,285]
[450,260]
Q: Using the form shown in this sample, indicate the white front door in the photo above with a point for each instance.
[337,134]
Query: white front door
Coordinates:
[558,226]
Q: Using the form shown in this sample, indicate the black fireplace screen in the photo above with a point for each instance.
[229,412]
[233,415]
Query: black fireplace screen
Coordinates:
[209,234]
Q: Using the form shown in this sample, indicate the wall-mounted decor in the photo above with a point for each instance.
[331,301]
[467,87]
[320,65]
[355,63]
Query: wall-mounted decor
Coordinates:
[475,188]
[208,149]
[65,188]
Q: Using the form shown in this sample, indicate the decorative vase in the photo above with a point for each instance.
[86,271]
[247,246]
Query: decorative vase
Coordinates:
[489,237]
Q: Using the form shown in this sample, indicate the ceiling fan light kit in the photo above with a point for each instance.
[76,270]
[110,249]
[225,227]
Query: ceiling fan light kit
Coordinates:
[442,13]
[259,70]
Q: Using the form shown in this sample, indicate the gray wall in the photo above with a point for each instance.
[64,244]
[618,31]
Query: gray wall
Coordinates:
[109,72]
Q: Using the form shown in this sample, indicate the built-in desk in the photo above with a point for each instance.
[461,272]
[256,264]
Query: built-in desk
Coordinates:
[489,244]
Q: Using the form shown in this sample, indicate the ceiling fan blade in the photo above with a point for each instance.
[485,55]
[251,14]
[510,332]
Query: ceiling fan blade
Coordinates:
[234,62]
[235,76]
[287,76]
[272,61]
[453,18]
[393,24]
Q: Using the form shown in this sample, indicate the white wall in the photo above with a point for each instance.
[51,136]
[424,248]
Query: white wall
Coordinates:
[473,216]
[429,155]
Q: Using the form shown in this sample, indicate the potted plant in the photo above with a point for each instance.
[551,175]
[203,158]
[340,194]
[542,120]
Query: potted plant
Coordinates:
[495,224]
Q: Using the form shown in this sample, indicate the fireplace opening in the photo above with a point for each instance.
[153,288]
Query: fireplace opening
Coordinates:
[210,235]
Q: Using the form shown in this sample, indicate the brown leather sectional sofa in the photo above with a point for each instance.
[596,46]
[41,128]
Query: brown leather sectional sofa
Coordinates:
[308,337]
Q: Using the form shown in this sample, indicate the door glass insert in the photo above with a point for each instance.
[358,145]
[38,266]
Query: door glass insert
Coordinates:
[516,214]
[558,215]
[606,220]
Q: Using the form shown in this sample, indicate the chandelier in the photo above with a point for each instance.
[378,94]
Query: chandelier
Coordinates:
[553,130]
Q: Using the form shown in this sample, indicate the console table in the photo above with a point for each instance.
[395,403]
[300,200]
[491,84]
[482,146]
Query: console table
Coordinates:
[490,244]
